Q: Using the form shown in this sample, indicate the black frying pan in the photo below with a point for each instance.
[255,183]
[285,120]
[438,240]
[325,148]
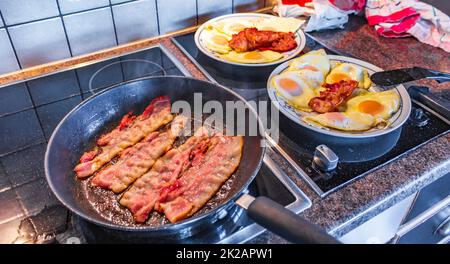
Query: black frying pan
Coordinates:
[95,116]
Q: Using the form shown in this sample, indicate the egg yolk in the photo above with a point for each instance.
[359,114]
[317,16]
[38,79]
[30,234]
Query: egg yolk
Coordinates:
[253,55]
[220,40]
[339,76]
[288,84]
[309,67]
[335,116]
[370,107]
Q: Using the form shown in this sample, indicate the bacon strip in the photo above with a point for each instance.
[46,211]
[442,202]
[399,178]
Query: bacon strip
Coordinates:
[138,159]
[253,39]
[202,181]
[130,131]
[144,193]
[334,96]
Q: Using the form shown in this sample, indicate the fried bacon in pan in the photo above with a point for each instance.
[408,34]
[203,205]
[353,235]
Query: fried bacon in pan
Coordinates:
[140,199]
[138,159]
[335,95]
[253,39]
[203,179]
[130,131]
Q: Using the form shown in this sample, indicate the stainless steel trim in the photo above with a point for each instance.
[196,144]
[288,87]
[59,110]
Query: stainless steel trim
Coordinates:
[245,200]
[301,203]
[444,228]
[194,61]
[175,61]
[431,111]
[445,240]
[405,228]
[295,166]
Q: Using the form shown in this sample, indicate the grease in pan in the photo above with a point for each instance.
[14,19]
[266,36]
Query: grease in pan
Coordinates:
[176,181]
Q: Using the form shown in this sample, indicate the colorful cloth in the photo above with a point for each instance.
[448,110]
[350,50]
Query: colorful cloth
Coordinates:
[403,18]
[390,18]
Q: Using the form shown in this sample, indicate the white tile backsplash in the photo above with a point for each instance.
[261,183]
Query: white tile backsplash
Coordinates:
[176,14]
[70,6]
[39,42]
[120,1]
[248,5]
[135,20]
[90,31]
[208,9]
[38,35]
[20,11]
[7,57]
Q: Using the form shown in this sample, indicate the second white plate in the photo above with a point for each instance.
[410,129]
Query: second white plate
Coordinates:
[300,38]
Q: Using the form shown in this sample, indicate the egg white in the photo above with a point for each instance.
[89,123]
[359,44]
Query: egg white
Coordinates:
[346,121]
[299,98]
[314,78]
[314,59]
[347,71]
[388,100]
[279,24]
[215,41]
[252,57]
[232,26]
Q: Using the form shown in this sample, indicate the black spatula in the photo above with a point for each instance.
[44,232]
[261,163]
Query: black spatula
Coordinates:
[399,76]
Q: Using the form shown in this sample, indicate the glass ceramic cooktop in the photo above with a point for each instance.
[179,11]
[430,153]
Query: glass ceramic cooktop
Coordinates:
[355,160]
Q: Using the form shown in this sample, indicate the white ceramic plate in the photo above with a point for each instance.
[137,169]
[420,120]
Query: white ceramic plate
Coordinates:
[300,38]
[296,115]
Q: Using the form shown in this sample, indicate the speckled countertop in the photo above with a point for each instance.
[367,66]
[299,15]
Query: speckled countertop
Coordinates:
[349,207]
[360,40]
[359,201]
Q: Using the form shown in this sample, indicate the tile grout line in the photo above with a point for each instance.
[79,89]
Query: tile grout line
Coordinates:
[37,106]
[70,48]
[22,148]
[157,17]
[64,28]
[114,22]
[35,111]
[196,12]
[116,36]
[10,40]
[60,15]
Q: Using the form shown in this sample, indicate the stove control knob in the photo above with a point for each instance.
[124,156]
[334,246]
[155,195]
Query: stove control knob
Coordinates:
[325,158]
[418,117]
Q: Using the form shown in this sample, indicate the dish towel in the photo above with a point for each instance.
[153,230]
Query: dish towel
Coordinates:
[325,14]
[403,18]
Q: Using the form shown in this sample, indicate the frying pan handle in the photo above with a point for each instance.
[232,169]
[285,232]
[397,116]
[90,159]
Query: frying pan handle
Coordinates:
[286,223]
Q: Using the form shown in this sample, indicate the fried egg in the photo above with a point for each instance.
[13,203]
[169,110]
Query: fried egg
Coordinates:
[252,56]
[314,77]
[232,26]
[346,121]
[377,104]
[316,59]
[363,112]
[294,89]
[347,71]
[279,24]
[216,41]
